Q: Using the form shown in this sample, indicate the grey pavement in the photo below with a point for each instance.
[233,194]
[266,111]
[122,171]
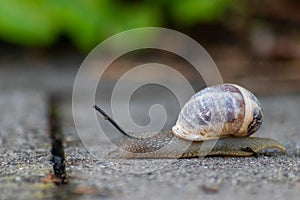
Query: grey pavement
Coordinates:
[268,176]
[24,145]
[25,152]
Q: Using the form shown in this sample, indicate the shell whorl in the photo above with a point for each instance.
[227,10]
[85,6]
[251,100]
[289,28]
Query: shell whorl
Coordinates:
[219,111]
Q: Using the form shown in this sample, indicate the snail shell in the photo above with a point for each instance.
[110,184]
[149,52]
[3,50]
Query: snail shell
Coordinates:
[219,111]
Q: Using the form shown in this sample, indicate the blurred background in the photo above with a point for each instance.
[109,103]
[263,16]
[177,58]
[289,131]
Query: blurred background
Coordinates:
[255,43]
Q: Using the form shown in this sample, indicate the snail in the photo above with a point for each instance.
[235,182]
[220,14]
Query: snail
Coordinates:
[216,121]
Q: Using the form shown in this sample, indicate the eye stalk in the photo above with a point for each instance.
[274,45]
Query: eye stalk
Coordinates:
[107,117]
[256,122]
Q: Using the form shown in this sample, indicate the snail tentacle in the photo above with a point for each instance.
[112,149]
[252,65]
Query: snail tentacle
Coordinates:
[107,117]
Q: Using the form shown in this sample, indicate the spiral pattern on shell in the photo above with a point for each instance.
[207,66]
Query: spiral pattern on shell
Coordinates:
[219,111]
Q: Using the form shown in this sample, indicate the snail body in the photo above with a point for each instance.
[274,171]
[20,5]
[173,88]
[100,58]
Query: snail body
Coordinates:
[166,145]
[216,121]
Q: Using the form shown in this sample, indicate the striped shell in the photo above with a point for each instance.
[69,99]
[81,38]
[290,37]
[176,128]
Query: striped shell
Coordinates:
[219,111]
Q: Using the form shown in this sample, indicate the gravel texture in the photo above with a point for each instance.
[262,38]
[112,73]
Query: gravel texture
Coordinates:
[268,176]
[24,146]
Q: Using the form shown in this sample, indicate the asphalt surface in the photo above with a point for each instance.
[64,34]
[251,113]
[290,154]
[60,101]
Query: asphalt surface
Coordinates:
[26,169]
[24,146]
[270,175]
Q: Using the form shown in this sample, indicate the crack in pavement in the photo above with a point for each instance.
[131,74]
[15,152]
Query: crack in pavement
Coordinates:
[57,138]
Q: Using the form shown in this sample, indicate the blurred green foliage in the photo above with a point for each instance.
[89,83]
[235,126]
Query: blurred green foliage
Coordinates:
[87,22]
